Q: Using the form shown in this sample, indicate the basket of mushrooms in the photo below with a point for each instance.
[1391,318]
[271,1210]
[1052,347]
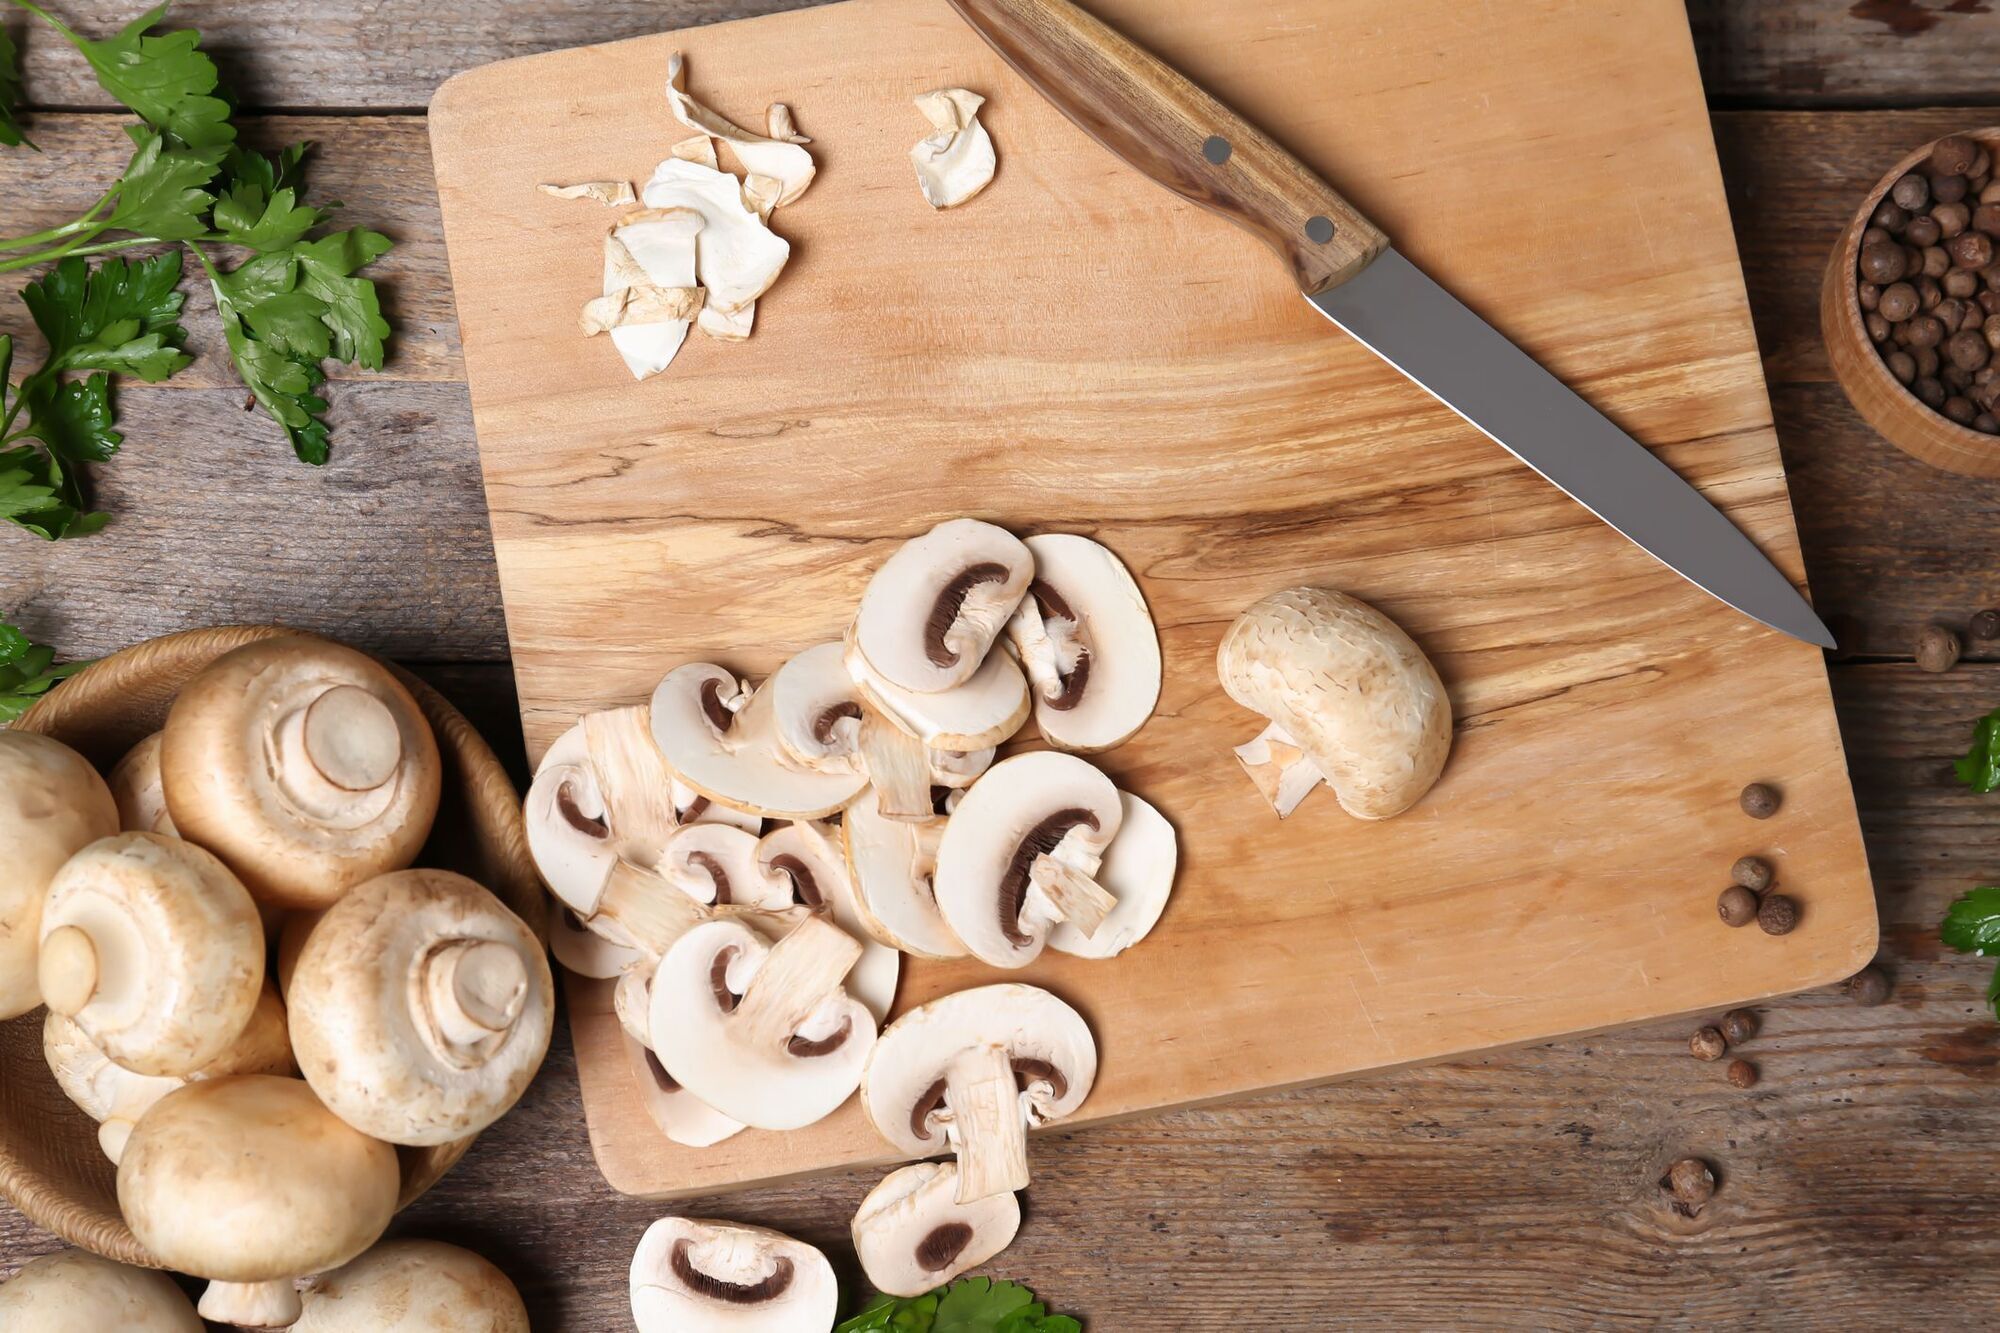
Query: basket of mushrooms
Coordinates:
[271,955]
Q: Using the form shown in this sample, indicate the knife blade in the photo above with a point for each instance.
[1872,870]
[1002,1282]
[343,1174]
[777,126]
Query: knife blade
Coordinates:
[1176,134]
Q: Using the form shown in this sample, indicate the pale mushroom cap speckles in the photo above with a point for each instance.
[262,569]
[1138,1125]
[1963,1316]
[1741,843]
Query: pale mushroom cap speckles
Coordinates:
[52,805]
[73,1291]
[413,1286]
[1350,688]
[806,1297]
[135,785]
[250,1179]
[911,1234]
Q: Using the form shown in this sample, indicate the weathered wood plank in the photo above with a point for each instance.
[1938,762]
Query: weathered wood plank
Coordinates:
[305,54]
[1518,1188]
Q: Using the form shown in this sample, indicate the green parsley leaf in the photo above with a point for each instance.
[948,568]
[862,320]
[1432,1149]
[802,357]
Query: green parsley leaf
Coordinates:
[10,93]
[246,214]
[120,316]
[269,174]
[26,672]
[283,387]
[354,312]
[162,194]
[166,79]
[38,495]
[972,1305]
[1980,769]
[1973,923]
[73,418]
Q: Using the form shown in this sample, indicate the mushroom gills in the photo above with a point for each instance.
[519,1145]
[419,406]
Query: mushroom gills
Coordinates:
[1138,869]
[931,612]
[722,740]
[806,858]
[691,1275]
[985,710]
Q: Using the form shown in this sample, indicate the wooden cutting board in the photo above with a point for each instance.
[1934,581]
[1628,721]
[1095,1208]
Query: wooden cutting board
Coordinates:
[1077,350]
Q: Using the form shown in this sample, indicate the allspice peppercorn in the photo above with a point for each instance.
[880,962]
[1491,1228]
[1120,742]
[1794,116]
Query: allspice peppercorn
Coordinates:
[1970,249]
[1968,350]
[1912,192]
[1883,263]
[1985,625]
[1898,302]
[1737,906]
[1690,1182]
[1777,914]
[1868,987]
[1742,1074]
[1738,1026]
[1707,1044]
[1937,649]
[1953,155]
[1760,800]
[1752,872]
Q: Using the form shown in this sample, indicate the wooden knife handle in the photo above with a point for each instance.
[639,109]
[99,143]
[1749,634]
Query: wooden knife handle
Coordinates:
[1147,113]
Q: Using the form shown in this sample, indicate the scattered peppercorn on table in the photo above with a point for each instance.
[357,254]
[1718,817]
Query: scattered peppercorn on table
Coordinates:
[1294,1204]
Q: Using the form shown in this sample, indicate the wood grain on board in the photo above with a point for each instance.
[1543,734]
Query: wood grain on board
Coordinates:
[1081,350]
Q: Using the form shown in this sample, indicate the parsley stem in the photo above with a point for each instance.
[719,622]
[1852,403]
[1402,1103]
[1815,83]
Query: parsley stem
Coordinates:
[88,222]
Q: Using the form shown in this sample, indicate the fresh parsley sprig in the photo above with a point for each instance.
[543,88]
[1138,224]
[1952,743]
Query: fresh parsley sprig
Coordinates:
[27,670]
[1980,769]
[971,1305]
[1973,926]
[10,92]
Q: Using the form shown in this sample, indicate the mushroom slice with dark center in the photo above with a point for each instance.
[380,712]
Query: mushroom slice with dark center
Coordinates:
[691,1275]
[912,1234]
[680,1115]
[890,864]
[739,1056]
[717,864]
[825,725]
[1138,871]
[985,710]
[808,858]
[742,764]
[931,612]
[1087,643]
[600,797]
[1019,854]
[970,1043]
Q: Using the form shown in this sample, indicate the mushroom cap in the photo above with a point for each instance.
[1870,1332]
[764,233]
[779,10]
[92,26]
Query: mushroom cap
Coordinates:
[818,711]
[412,1286]
[1349,688]
[727,748]
[421,1007]
[680,1115]
[585,952]
[159,952]
[52,805]
[934,608]
[1044,802]
[248,1178]
[704,1046]
[890,863]
[1053,1053]
[135,786]
[1088,644]
[691,1275]
[74,1291]
[305,765]
[807,859]
[983,711]
[956,161]
[913,1235]
[1138,870]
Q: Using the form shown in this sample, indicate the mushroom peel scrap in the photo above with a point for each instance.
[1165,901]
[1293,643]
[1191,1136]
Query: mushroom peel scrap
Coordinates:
[690,1275]
[722,740]
[135,786]
[781,159]
[74,1291]
[420,1008]
[154,949]
[984,711]
[890,865]
[737,257]
[52,805]
[805,859]
[934,608]
[412,1286]
[762,1032]
[248,1181]
[974,1070]
[303,764]
[1352,701]
[913,1235]
[648,252]
[956,160]
[680,1115]
[1020,852]
[1138,871]
[1087,642]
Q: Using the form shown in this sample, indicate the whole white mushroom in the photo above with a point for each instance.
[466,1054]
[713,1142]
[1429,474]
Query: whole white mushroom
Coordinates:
[74,1291]
[52,805]
[412,1286]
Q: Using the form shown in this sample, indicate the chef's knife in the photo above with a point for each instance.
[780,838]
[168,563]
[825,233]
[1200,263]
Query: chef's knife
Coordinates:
[1178,135]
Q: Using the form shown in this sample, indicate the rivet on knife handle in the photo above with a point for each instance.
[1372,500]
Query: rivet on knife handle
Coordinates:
[1145,112]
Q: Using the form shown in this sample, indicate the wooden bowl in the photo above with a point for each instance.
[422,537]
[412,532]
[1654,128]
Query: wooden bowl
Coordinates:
[50,1165]
[1886,405]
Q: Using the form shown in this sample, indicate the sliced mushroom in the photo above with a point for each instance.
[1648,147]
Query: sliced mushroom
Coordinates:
[762,1032]
[691,807]
[956,160]
[680,1115]
[1351,700]
[1021,851]
[1087,642]
[825,724]
[890,863]
[651,250]
[248,1181]
[304,765]
[74,1291]
[696,1276]
[974,1070]
[135,785]
[722,740]
[614,193]
[737,257]
[412,1286]
[420,1008]
[155,950]
[718,864]
[116,1097]
[1138,871]
[984,711]
[912,1234]
[807,859]
[934,608]
[956,769]
[632,999]
[52,806]
[780,158]
[585,952]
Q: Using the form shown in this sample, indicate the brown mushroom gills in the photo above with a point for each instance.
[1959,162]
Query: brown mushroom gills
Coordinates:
[713,708]
[944,1243]
[572,814]
[804,884]
[1027,1070]
[351,737]
[706,862]
[1055,607]
[714,1288]
[805,1048]
[1039,841]
[944,611]
[718,980]
[823,725]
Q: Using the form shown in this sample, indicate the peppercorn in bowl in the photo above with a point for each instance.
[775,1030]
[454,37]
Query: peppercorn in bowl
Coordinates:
[1910,304]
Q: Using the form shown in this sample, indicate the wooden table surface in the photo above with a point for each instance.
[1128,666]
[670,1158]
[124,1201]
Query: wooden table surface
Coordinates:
[1857,1178]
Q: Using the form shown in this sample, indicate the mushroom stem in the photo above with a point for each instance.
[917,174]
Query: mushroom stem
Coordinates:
[649,911]
[1035,648]
[637,785]
[1060,891]
[987,1127]
[67,971]
[1279,768]
[474,990]
[251,1304]
[351,737]
[899,767]
[795,978]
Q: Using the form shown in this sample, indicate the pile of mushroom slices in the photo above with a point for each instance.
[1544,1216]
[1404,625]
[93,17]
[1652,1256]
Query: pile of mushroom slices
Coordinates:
[253,1121]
